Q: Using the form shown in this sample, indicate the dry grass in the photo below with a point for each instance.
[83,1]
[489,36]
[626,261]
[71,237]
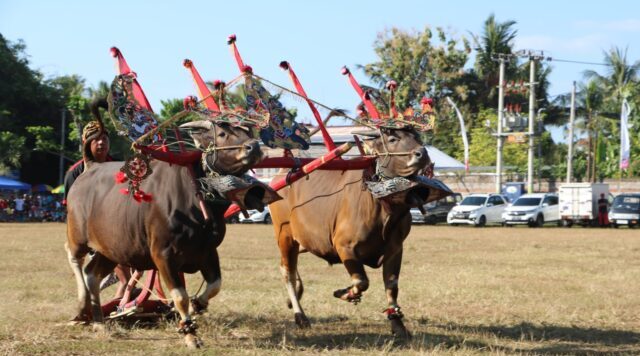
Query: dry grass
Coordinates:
[463,291]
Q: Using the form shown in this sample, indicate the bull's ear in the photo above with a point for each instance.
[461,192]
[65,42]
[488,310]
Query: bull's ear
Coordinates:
[368,147]
[201,131]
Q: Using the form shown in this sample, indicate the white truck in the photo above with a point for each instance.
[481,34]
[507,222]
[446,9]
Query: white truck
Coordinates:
[579,202]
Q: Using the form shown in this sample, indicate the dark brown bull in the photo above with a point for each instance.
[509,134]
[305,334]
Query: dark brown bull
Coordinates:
[332,216]
[170,233]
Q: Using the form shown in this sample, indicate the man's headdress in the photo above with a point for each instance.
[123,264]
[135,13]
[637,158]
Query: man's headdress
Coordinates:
[92,130]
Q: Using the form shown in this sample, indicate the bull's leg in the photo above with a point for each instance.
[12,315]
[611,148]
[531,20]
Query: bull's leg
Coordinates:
[289,268]
[171,276]
[299,289]
[391,274]
[359,279]
[213,277]
[94,271]
[76,260]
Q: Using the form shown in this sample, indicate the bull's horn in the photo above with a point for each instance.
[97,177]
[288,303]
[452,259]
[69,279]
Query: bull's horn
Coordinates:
[198,125]
[367,133]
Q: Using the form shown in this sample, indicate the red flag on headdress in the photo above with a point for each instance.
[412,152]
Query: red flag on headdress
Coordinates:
[232,42]
[328,141]
[203,90]
[392,85]
[123,68]
[373,112]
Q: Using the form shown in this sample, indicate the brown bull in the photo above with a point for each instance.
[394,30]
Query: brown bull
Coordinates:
[170,233]
[334,217]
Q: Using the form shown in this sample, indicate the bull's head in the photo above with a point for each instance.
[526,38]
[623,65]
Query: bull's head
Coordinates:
[229,150]
[400,152]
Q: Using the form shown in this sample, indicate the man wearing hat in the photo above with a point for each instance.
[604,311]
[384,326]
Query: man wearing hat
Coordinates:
[95,149]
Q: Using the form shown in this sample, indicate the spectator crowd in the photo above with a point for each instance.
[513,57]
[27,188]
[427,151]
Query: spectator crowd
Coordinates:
[31,208]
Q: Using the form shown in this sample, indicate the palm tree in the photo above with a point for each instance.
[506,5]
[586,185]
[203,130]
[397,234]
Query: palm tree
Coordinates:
[619,82]
[497,37]
[620,76]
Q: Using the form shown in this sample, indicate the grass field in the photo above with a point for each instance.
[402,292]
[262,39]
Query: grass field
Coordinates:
[463,291]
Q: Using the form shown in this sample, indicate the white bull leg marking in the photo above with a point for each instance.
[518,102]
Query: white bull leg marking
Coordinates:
[76,267]
[290,282]
[186,325]
[202,300]
[181,302]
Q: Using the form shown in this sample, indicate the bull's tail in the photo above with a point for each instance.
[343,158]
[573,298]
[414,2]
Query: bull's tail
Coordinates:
[96,104]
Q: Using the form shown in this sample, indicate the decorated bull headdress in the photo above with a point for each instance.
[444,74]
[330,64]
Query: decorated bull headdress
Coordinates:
[372,108]
[133,117]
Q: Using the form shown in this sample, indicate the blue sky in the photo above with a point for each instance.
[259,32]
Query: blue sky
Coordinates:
[318,38]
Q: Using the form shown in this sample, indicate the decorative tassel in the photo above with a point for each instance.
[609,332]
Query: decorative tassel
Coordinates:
[121,177]
[190,102]
[124,191]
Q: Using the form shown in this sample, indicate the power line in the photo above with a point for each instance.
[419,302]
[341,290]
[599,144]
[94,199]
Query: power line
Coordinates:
[577,62]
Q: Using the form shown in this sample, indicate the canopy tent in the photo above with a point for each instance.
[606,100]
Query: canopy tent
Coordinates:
[58,190]
[11,184]
[443,162]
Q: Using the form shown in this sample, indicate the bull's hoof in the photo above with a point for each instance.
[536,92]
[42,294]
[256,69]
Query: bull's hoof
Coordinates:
[192,341]
[197,307]
[347,295]
[80,319]
[98,327]
[399,330]
[302,321]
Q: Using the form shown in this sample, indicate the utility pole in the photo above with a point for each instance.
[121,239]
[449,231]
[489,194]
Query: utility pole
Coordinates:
[500,120]
[532,112]
[572,117]
[61,162]
[540,128]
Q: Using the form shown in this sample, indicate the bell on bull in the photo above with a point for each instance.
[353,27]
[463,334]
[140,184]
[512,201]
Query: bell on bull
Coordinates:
[358,217]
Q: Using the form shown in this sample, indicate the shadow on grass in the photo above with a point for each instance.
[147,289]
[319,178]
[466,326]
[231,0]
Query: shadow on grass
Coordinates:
[337,332]
[559,339]
[529,331]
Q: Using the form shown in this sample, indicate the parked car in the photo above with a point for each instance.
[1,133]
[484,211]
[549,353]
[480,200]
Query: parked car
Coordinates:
[533,210]
[435,211]
[478,210]
[257,217]
[625,210]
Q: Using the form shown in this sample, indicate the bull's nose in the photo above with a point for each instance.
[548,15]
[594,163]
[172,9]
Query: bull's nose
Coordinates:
[419,153]
[248,148]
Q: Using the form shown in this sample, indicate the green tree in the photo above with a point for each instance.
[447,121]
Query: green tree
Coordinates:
[12,148]
[424,66]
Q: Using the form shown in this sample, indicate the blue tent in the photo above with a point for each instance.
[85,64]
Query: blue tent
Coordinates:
[10,184]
